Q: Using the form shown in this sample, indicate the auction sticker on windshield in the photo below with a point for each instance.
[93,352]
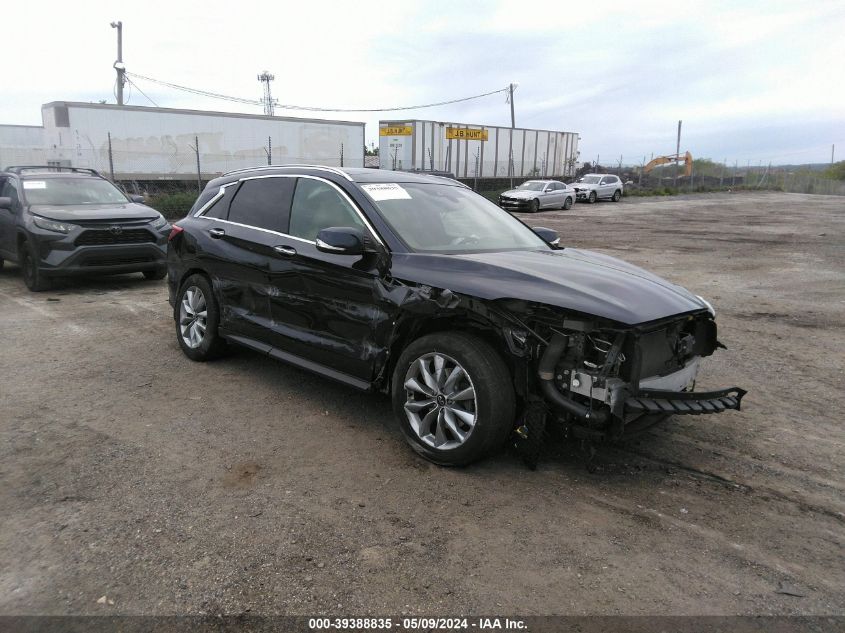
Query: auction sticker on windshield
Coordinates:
[386,191]
[34,184]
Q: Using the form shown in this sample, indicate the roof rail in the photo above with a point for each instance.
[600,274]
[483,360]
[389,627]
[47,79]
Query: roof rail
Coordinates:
[334,170]
[19,169]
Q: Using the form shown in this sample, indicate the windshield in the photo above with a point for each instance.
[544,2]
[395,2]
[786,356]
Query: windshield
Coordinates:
[532,185]
[590,180]
[449,219]
[72,191]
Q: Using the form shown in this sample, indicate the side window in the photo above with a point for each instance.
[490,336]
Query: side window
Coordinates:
[220,209]
[559,186]
[263,203]
[317,206]
[603,181]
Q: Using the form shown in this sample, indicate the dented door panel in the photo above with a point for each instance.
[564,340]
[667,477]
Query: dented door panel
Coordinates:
[238,265]
[324,308]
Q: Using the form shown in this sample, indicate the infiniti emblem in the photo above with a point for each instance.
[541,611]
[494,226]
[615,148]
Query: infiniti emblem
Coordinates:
[116,230]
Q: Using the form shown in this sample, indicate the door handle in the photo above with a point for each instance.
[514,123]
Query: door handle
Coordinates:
[216,233]
[285,251]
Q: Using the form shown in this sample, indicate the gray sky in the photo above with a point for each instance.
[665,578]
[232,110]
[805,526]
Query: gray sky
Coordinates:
[753,81]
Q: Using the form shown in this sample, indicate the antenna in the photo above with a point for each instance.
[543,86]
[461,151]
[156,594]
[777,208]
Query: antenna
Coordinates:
[266,78]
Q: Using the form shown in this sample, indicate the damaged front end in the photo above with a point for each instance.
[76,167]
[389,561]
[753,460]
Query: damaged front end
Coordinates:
[601,381]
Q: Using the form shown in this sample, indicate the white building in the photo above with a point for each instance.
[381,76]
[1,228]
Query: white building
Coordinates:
[470,150]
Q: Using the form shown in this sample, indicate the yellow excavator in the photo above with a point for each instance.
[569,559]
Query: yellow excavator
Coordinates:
[673,158]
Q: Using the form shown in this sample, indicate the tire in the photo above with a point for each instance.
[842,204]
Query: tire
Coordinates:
[617,196]
[535,206]
[487,414]
[568,204]
[198,338]
[158,273]
[592,197]
[34,278]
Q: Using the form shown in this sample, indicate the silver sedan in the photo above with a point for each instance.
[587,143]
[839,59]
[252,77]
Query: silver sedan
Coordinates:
[534,195]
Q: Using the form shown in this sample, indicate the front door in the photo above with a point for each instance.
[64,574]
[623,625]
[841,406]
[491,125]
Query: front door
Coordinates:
[323,306]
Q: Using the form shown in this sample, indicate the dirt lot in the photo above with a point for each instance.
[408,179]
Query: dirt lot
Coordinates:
[173,487]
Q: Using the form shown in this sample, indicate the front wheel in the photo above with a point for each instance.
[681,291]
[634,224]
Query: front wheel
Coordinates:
[453,397]
[617,195]
[568,204]
[197,318]
[34,279]
[535,205]
[592,197]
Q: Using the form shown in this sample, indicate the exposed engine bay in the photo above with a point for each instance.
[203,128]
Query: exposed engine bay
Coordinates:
[601,381]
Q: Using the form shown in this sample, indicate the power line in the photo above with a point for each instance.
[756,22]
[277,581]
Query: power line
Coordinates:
[216,95]
[414,107]
[132,83]
[204,93]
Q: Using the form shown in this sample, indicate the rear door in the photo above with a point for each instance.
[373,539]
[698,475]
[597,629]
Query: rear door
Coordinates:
[240,252]
[323,306]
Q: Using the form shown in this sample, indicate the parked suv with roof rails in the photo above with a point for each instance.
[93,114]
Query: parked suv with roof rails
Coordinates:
[414,285]
[592,187]
[64,221]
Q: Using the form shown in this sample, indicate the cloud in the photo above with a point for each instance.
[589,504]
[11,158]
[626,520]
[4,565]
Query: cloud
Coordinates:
[748,79]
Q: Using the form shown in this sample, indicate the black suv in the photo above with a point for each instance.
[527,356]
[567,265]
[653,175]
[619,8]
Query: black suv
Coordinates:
[62,221]
[477,325]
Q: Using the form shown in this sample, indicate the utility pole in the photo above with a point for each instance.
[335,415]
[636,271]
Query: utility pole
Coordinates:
[678,153]
[266,78]
[832,148]
[118,65]
[511,87]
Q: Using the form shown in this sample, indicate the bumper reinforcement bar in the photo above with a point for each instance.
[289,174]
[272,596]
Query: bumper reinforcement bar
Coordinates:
[685,403]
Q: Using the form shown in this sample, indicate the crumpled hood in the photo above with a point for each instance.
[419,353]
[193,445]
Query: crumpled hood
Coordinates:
[584,185]
[95,212]
[521,194]
[581,281]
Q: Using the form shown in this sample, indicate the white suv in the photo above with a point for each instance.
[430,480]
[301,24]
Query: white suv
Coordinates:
[591,187]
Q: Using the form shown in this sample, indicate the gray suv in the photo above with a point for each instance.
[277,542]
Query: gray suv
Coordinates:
[592,187]
[62,221]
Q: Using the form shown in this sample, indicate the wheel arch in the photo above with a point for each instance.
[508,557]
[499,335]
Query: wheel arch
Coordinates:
[412,327]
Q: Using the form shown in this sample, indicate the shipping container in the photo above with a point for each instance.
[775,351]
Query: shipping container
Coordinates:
[470,150]
[141,143]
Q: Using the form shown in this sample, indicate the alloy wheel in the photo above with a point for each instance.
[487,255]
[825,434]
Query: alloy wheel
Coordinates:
[441,402]
[193,317]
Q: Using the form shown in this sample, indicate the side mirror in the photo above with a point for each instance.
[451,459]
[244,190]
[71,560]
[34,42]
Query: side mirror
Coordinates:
[341,240]
[6,203]
[547,235]
[139,199]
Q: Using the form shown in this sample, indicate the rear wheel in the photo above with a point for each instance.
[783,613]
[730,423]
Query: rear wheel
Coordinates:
[34,279]
[617,195]
[158,273]
[535,205]
[592,197]
[197,318]
[568,204]
[453,397]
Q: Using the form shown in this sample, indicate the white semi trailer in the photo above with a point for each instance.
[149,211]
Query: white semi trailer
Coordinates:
[141,143]
[468,150]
